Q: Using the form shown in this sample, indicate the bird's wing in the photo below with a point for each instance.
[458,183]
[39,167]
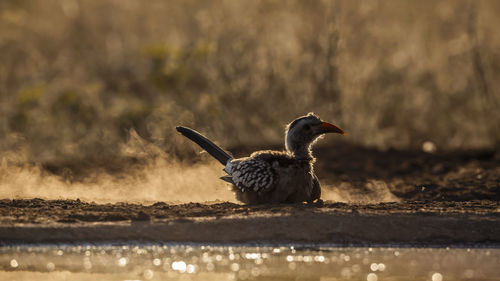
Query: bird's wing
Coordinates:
[253,175]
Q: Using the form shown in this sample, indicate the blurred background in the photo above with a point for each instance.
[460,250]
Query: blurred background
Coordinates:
[91,81]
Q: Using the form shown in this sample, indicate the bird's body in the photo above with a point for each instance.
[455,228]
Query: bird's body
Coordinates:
[274,176]
[270,177]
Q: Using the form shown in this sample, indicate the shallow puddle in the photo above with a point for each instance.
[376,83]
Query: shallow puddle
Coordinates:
[197,262]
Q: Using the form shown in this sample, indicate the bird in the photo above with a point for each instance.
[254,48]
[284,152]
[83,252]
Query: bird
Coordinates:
[274,177]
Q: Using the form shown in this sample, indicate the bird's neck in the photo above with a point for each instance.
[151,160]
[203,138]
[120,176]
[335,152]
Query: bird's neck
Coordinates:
[299,146]
[302,152]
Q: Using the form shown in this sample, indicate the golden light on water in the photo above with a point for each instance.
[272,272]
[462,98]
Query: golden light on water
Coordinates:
[371,277]
[87,264]
[437,277]
[179,266]
[122,262]
[319,258]
[235,267]
[51,266]
[227,263]
[148,274]
[190,268]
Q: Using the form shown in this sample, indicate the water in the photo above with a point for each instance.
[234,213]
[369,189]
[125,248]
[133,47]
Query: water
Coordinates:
[198,262]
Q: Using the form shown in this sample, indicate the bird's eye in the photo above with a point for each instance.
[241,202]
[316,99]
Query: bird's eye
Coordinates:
[307,127]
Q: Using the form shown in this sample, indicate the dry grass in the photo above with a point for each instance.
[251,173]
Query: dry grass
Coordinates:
[76,76]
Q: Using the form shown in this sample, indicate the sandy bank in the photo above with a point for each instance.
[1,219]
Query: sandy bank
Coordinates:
[415,223]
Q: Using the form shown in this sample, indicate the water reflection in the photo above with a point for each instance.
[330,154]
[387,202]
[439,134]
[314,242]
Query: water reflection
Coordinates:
[196,262]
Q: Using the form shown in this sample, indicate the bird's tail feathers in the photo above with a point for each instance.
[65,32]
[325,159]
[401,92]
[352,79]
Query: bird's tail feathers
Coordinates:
[212,149]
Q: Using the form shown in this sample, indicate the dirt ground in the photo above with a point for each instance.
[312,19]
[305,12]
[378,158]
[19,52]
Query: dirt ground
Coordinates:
[407,223]
[442,198]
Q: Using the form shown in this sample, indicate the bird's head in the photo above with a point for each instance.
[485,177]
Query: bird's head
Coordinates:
[302,132]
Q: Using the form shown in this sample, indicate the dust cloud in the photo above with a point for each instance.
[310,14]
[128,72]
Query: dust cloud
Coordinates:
[160,181]
[161,178]
[374,191]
